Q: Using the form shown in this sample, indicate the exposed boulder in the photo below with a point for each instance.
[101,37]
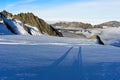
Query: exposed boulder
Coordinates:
[93,37]
[99,41]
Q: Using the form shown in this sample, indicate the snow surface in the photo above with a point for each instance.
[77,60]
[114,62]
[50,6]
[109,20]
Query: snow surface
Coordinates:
[34,31]
[111,36]
[52,58]
[16,26]
[4,30]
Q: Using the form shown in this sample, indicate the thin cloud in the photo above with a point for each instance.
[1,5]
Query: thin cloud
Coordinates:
[19,3]
[93,11]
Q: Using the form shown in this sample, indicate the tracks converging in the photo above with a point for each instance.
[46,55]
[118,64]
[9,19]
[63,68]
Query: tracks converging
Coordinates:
[60,59]
[78,60]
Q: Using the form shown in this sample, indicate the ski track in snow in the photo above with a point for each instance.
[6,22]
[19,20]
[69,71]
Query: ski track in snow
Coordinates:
[50,58]
[58,67]
[57,62]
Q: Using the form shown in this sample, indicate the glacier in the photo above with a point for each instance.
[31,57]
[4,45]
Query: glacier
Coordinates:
[30,55]
[25,57]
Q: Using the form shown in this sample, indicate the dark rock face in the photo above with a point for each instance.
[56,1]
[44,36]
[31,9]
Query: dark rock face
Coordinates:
[31,19]
[99,40]
[9,27]
[6,14]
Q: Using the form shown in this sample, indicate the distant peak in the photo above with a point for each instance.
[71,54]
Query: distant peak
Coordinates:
[5,11]
[111,24]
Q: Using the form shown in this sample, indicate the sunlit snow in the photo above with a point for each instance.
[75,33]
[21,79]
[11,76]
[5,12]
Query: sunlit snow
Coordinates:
[53,58]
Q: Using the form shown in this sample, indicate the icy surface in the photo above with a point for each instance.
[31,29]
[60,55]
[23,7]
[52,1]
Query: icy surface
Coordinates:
[4,30]
[16,26]
[111,36]
[33,30]
[51,58]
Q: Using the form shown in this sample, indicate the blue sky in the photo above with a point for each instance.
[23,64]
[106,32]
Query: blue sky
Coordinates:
[90,11]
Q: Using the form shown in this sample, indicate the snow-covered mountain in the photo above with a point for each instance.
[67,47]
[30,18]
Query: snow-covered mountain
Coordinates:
[25,57]
[25,24]
[111,24]
[86,25]
[4,30]
[72,24]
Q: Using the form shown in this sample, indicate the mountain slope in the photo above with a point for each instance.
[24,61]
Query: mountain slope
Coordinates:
[25,19]
[14,26]
[111,24]
[73,24]
[87,25]
[4,30]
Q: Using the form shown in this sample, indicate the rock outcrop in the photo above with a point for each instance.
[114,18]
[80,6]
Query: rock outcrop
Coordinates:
[99,41]
[32,20]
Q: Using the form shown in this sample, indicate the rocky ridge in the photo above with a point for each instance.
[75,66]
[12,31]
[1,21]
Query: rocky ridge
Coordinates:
[87,25]
[32,20]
